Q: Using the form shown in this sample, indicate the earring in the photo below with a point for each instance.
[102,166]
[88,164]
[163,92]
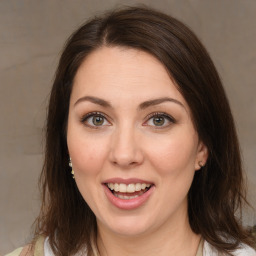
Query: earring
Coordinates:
[72,171]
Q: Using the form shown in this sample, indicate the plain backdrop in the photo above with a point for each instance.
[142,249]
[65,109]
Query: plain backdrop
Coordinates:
[32,34]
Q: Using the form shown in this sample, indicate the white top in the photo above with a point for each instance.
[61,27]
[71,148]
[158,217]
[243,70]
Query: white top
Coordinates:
[47,248]
[244,250]
[208,250]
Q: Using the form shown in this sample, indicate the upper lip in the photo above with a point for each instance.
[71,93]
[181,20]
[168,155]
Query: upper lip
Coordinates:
[126,181]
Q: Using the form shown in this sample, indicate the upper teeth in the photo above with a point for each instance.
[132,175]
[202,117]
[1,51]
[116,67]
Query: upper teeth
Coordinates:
[130,188]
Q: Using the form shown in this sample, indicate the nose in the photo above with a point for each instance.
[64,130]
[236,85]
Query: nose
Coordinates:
[126,149]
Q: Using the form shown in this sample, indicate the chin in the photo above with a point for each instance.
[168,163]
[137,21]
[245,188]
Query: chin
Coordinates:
[129,226]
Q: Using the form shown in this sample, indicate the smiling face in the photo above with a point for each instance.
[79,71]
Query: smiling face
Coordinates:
[132,142]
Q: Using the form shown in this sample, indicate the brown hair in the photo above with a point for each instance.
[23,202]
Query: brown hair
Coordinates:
[217,191]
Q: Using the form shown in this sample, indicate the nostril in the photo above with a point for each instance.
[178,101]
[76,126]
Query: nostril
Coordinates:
[124,163]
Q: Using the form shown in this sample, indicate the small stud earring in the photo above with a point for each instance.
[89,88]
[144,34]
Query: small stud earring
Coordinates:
[72,171]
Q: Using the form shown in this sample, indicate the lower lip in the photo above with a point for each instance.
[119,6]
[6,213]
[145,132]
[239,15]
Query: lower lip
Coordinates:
[128,204]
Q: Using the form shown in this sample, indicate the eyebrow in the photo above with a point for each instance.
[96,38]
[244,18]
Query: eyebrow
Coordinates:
[142,106]
[154,102]
[94,100]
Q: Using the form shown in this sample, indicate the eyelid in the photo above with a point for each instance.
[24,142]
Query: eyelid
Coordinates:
[163,114]
[148,117]
[93,113]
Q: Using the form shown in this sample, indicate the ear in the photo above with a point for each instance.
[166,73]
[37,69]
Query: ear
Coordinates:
[202,156]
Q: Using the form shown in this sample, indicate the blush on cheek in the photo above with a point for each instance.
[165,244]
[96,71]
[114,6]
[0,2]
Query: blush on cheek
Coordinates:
[87,165]
[173,157]
[87,161]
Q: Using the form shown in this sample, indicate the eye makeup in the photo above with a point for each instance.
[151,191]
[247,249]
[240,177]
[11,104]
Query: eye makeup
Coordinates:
[95,120]
[159,120]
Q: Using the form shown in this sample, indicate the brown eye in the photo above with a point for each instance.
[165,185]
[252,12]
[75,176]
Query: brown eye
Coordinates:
[158,121]
[97,120]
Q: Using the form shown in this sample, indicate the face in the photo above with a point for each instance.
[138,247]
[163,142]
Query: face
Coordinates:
[132,142]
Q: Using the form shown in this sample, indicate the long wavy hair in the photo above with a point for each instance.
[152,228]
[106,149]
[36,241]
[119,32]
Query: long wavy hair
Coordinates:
[216,196]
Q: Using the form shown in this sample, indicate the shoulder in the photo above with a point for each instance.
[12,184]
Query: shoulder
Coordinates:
[243,250]
[23,251]
[48,250]
[15,253]
[33,249]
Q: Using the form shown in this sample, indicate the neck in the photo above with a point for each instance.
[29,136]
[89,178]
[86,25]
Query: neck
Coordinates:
[171,239]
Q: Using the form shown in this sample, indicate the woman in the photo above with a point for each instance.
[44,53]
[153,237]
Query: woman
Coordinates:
[142,156]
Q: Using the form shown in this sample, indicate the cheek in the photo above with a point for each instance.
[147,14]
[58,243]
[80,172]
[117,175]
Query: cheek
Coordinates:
[174,153]
[87,153]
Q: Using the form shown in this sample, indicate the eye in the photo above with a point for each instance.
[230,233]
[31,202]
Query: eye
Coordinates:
[159,120]
[95,120]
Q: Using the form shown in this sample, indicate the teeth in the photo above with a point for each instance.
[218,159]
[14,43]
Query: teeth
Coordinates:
[125,197]
[122,188]
[111,186]
[116,187]
[138,187]
[130,188]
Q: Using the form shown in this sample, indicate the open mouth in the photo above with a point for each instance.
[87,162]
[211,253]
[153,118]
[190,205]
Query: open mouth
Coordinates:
[128,191]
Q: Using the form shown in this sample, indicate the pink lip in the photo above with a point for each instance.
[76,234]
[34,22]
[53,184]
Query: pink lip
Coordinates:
[128,204]
[126,181]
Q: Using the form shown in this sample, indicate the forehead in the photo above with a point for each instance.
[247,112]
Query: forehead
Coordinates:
[128,74]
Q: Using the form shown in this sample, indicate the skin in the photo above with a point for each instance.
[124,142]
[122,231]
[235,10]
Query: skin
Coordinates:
[129,144]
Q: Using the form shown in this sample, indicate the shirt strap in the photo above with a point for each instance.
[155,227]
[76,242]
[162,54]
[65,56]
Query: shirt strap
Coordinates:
[36,249]
[200,248]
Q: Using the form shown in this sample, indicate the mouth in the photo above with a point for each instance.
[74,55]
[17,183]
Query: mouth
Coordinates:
[128,194]
[128,191]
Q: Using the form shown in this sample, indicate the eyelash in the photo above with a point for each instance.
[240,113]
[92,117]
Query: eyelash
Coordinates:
[161,114]
[85,118]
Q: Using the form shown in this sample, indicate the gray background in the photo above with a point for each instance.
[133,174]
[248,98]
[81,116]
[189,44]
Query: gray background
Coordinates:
[32,34]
